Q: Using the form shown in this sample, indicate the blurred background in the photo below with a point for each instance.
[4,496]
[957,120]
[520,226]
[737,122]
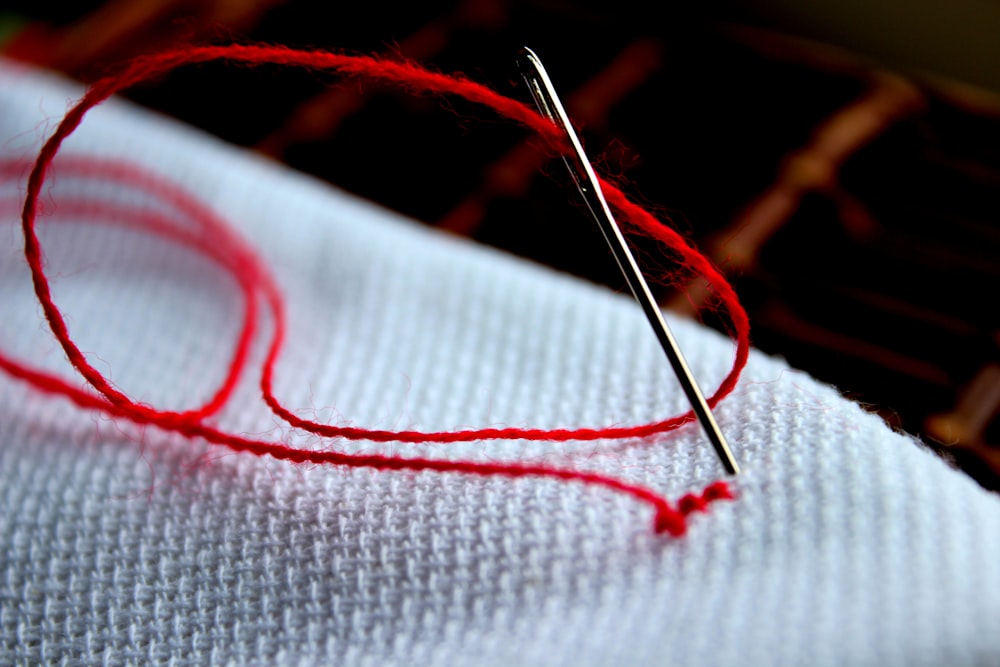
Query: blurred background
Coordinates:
[839,160]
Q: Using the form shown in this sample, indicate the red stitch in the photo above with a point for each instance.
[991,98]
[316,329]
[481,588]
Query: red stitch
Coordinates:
[691,503]
[221,244]
[718,491]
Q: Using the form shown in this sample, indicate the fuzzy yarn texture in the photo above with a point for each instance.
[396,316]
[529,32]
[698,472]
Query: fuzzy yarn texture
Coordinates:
[121,544]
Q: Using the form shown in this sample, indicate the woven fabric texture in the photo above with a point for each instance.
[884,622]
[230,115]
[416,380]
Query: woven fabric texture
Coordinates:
[848,544]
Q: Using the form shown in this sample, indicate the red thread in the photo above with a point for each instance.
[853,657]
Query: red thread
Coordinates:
[219,243]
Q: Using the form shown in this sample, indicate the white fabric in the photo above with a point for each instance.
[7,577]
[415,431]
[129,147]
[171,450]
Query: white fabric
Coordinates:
[849,544]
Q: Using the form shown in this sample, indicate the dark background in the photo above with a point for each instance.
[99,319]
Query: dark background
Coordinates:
[840,163]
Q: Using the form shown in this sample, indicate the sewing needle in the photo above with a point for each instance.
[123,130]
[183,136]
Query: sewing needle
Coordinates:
[586,181]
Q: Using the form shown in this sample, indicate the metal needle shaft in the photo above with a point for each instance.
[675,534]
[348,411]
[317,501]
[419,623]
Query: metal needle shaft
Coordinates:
[586,181]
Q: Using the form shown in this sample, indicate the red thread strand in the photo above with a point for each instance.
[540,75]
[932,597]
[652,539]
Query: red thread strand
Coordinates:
[219,243]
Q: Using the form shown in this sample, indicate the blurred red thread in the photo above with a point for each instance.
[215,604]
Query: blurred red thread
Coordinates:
[213,238]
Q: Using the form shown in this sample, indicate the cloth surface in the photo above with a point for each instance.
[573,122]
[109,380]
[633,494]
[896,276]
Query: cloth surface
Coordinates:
[848,544]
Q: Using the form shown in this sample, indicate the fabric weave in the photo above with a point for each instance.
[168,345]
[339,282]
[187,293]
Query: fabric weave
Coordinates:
[848,544]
